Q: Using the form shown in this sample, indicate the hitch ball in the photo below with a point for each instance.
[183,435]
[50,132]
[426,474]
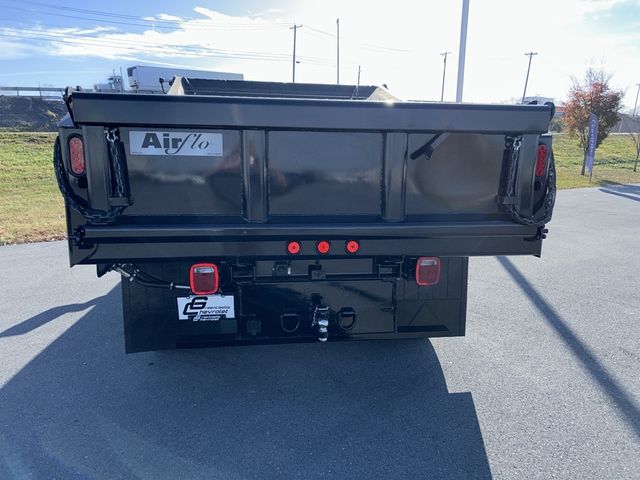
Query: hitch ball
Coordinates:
[321,322]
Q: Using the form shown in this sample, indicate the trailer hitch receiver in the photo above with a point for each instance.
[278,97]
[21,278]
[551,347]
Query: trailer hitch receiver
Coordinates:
[321,322]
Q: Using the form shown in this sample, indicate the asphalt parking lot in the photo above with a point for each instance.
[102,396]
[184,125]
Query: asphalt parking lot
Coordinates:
[546,384]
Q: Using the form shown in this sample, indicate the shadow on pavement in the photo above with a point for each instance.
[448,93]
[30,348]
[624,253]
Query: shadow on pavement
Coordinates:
[631,192]
[47,316]
[83,409]
[618,395]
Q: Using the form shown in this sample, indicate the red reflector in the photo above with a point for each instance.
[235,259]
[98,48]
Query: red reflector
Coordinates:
[323,247]
[541,159]
[428,271]
[352,246]
[293,248]
[76,153]
[203,278]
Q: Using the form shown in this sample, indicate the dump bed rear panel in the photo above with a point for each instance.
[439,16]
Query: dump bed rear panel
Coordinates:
[210,175]
[177,184]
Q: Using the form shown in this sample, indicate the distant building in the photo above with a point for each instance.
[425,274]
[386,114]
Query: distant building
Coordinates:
[627,124]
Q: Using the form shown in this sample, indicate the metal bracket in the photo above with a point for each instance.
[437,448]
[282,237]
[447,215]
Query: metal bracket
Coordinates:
[541,234]
[428,148]
[506,200]
[347,319]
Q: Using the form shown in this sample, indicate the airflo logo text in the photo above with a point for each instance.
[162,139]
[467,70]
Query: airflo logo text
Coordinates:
[194,144]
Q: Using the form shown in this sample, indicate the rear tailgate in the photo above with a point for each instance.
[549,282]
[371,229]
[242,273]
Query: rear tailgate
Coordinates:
[210,175]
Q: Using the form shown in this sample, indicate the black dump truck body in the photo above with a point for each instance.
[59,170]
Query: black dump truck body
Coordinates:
[250,212]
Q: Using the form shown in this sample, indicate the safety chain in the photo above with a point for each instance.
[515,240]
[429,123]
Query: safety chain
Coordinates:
[79,204]
[513,145]
[115,160]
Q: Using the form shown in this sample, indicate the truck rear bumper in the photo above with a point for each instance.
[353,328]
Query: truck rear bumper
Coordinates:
[97,244]
[272,310]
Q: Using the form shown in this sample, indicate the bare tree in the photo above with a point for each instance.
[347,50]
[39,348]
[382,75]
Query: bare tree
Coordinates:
[592,95]
[636,140]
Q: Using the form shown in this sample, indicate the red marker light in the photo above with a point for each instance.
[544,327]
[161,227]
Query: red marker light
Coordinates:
[541,159]
[203,278]
[352,246]
[427,271]
[293,248]
[323,247]
[76,155]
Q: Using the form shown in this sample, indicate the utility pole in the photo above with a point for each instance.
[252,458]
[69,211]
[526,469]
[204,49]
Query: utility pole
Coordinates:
[530,55]
[635,108]
[463,49]
[444,73]
[295,28]
[358,84]
[337,51]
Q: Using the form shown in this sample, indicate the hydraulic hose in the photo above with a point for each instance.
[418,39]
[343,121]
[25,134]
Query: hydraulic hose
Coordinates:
[144,279]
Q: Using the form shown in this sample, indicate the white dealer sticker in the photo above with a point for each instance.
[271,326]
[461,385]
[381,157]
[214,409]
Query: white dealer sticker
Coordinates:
[201,308]
[191,144]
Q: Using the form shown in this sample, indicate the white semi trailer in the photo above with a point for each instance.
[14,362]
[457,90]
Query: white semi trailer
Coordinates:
[145,79]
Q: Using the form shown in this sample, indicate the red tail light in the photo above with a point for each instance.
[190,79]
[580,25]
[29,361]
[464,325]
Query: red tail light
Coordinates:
[427,271]
[293,248]
[352,246]
[323,247]
[76,154]
[203,278]
[541,159]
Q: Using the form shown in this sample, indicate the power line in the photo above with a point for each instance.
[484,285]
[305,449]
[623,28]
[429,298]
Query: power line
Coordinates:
[295,28]
[526,81]
[180,24]
[321,32]
[103,13]
[381,48]
[37,34]
[76,38]
[152,49]
[369,46]
[173,25]
[150,23]
[337,51]
[444,73]
[125,45]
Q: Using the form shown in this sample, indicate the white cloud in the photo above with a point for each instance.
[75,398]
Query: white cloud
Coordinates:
[167,17]
[411,34]
[10,50]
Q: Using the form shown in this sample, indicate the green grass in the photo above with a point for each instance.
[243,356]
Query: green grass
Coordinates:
[614,162]
[31,208]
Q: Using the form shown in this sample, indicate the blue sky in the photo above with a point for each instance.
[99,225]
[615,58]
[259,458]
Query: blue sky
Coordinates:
[79,43]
